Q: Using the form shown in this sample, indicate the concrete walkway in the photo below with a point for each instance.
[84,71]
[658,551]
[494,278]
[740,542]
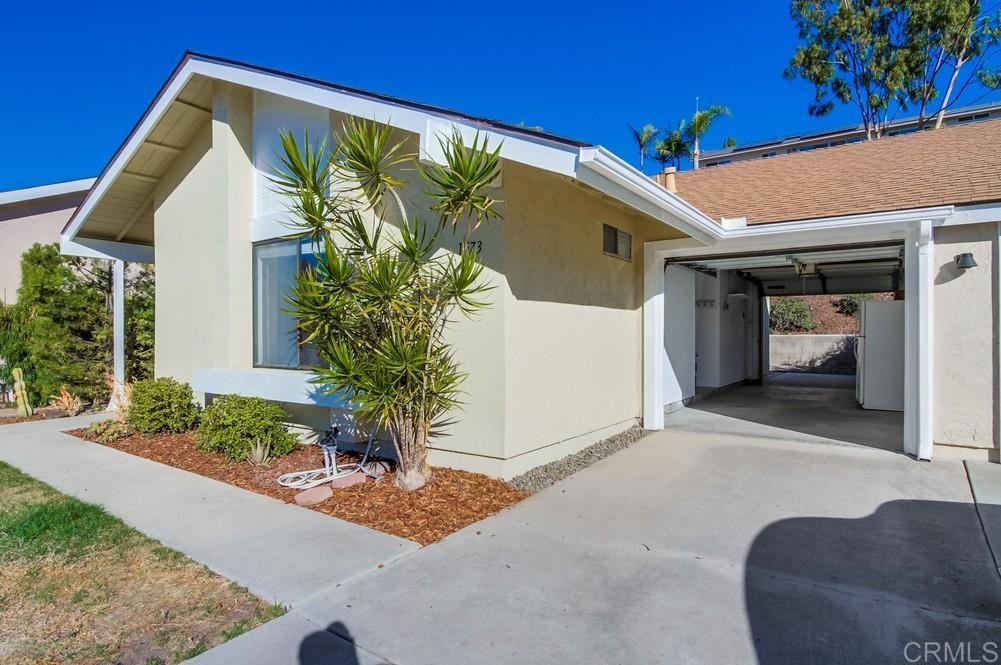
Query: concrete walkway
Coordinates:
[280,552]
[710,542]
[985,482]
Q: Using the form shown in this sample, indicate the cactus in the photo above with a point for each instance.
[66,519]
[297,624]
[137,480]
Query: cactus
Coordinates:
[21,395]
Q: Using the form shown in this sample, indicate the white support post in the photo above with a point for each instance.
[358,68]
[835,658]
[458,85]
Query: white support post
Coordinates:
[653,339]
[118,318]
[919,258]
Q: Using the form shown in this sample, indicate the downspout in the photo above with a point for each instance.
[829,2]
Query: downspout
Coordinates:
[996,286]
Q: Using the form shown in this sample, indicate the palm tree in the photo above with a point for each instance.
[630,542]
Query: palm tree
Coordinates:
[699,124]
[672,147]
[644,137]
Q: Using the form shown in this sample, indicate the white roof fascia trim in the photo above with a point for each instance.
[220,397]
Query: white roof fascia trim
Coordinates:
[128,151]
[935,214]
[534,151]
[974,214]
[830,230]
[106,249]
[46,191]
[607,173]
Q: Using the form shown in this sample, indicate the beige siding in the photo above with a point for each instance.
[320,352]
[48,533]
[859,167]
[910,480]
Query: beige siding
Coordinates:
[965,311]
[573,318]
[204,316]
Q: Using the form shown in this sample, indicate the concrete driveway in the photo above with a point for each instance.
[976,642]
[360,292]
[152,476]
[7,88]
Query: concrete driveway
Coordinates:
[710,542]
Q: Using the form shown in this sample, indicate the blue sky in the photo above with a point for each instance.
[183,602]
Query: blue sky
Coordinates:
[76,79]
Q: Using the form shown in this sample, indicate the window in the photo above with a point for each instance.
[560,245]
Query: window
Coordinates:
[276,340]
[616,243]
[974,118]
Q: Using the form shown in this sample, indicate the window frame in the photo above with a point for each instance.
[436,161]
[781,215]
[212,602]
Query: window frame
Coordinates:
[618,245]
[255,295]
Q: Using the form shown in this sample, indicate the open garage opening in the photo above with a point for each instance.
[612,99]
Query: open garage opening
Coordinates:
[742,341]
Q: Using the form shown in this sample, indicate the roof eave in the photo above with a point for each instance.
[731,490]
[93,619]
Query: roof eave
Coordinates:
[46,191]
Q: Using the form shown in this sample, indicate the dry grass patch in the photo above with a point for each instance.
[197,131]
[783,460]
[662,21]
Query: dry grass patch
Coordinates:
[80,586]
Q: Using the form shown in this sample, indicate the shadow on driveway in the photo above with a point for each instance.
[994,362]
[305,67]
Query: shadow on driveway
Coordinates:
[318,649]
[892,587]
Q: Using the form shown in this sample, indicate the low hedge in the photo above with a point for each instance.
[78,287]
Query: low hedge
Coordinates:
[232,422]
[790,315]
[161,406]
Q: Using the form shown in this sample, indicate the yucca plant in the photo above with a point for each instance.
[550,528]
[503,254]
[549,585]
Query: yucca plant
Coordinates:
[377,304]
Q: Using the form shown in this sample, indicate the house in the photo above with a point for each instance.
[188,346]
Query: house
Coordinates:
[593,317]
[33,215]
[828,138]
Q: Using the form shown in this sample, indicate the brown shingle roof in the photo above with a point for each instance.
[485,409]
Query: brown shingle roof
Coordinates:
[960,164]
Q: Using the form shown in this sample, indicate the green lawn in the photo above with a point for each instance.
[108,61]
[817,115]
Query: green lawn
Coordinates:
[78,585]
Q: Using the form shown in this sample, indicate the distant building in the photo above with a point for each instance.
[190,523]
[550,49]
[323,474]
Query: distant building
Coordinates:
[33,215]
[838,136]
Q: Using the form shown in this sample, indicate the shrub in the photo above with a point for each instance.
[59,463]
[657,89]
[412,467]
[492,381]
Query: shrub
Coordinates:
[232,424]
[790,315]
[109,431]
[162,406]
[850,303]
[67,401]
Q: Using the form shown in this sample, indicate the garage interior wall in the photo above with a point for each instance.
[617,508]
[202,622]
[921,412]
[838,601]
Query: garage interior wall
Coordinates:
[721,324]
[712,331]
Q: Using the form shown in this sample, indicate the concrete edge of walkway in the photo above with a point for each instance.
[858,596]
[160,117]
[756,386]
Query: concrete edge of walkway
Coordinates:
[291,638]
[985,484]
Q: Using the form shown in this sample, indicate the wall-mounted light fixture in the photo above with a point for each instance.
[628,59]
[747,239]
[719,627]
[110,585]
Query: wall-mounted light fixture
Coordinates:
[965,261]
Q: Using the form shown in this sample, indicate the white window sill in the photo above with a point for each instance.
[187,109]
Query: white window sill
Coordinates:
[279,385]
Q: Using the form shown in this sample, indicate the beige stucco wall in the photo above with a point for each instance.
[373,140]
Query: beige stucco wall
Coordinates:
[964,338]
[204,284]
[24,224]
[573,318]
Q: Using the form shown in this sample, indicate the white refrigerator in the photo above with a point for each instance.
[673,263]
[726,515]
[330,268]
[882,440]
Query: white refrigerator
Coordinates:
[879,348]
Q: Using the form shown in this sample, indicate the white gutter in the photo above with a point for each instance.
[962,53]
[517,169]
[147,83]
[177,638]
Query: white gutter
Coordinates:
[606,172]
[46,191]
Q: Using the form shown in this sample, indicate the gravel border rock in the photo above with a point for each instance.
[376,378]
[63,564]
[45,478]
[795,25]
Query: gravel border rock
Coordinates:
[543,476]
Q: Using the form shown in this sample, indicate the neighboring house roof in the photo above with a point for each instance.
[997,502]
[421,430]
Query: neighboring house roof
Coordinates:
[45,191]
[119,206]
[953,165]
[833,132]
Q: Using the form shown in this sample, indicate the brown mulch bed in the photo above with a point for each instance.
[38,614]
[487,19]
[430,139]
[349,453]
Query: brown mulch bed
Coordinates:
[450,501]
[10,420]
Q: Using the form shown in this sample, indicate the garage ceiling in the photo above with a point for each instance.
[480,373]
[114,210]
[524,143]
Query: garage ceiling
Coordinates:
[847,269]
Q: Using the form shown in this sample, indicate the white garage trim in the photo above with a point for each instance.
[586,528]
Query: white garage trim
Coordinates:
[913,227]
[919,275]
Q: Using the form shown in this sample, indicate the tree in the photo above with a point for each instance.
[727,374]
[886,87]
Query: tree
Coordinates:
[644,137]
[699,124]
[946,36]
[881,55]
[140,301]
[60,331]
[854,52]
[379,301]
[672,147]
[729,142]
